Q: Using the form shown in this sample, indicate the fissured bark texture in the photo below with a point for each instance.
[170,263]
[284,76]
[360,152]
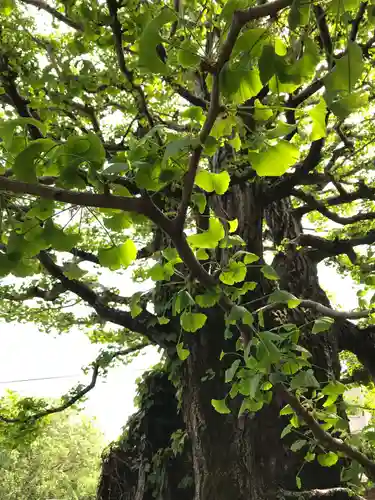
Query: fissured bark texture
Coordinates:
[245,459]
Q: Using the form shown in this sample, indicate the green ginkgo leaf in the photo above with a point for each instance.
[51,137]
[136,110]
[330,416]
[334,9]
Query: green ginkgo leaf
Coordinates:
[148,57]
[282,296]
[275,160]
[191,322]
[25,163]
[318,114]
[322,324]
[328,459]
[213,182]
[182,353]
[220,406]
[118,256]
[210,238]
[7,128]
[187,55]
[234,273]
[57,238]
[347,71]
[269,273]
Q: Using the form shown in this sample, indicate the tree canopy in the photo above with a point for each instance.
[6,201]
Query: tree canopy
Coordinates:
[214,153]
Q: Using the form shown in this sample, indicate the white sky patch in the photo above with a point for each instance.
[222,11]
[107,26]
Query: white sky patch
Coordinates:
[27,353]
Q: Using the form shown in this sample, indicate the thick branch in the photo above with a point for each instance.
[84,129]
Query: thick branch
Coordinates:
[316,494]
[359,376]
[8,79]
[362,193]
[283,187]
[327,311]
[142,324]
[313,204]
[325,36]
[357,21]
[139,205]
[84,199]
[330,248]
[323,437]
[79,395]
[40,4]
[265,10]
[360,342]
[240,18]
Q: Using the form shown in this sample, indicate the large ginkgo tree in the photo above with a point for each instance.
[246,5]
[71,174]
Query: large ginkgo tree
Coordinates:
[215,153]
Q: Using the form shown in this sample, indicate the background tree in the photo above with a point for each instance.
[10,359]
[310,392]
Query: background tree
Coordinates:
[194,142]
[60,459]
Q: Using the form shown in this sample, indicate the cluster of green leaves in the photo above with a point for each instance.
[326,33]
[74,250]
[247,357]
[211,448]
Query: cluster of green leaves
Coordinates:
[57,459]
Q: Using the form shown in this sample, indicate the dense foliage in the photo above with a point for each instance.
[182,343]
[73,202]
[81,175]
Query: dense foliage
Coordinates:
[218,151]
[60,460]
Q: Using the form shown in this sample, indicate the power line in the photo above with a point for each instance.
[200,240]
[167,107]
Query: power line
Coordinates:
[39,379]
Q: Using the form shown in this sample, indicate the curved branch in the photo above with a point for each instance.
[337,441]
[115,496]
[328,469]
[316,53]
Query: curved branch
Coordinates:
[314,204]
[143,253]
[332,313]
[197,153]
[362,193]
[187,95]
[357,21]
[324,33]
[327,311]
[360,342]
[117,37]
[144,323]
[240,18]
[323,437]
[359,376]
[8,78]
[83,255]
[85,199]
[80,394]
[283,187]
[329,248]
[36,292]
[265,10]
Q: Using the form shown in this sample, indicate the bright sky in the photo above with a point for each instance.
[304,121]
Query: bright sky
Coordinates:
[27,353]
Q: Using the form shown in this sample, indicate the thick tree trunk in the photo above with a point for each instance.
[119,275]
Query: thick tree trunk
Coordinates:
[222,454]
[245,458]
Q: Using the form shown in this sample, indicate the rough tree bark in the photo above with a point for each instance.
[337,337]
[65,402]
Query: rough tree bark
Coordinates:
[245,458]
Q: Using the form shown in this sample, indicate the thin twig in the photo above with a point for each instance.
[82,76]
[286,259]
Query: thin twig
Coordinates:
[40,4]
[79,395]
